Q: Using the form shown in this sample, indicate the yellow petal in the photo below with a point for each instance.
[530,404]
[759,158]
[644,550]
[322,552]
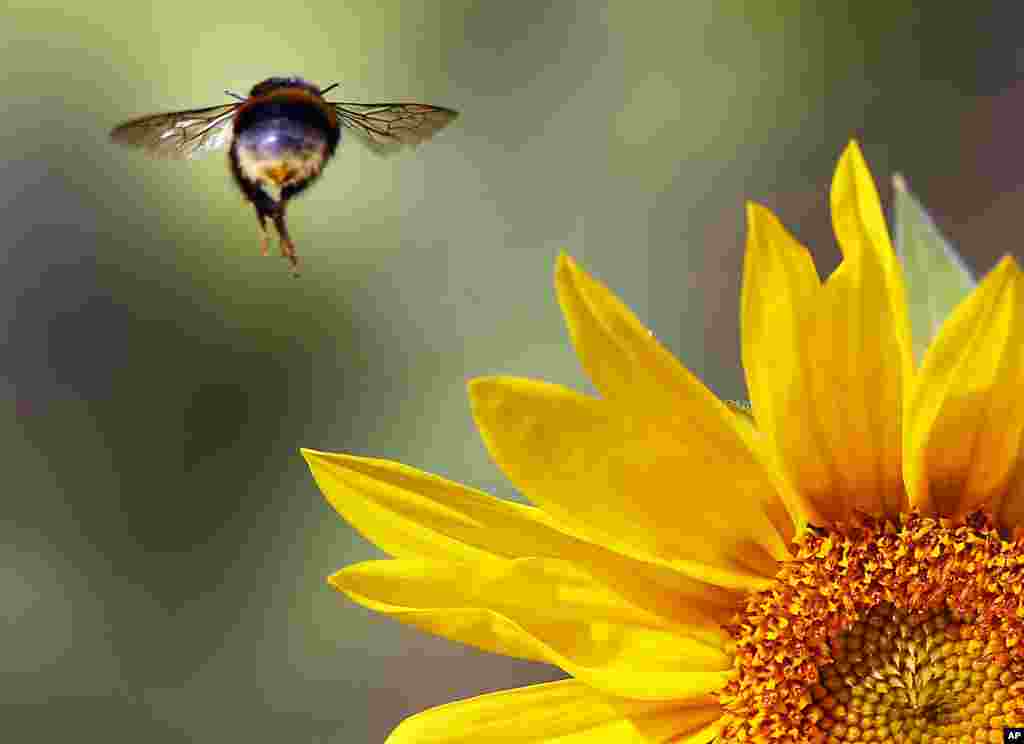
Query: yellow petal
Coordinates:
[780,286]
[412,514]
[863,346]
[966,422]
[565,712]
[544,610]
[625,479]
[637,374]
[830,363]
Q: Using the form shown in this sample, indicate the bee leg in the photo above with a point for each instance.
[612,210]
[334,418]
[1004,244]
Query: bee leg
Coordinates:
[264,236]
[287,246]
[265,207]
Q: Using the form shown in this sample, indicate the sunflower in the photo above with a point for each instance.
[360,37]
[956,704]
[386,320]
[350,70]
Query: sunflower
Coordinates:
[843,564]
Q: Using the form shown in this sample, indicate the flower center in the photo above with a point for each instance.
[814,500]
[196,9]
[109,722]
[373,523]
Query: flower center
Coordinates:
[900,674]
[884,632]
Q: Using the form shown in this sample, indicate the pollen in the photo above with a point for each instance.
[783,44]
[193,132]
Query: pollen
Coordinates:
[280,173]
[887,632]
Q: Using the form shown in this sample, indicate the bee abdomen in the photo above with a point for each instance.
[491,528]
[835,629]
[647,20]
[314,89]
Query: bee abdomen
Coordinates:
[278,137]
[280,152]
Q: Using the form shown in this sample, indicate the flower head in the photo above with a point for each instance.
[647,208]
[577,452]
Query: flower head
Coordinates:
[847,569]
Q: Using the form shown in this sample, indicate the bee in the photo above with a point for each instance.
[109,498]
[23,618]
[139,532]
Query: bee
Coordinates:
[279,139]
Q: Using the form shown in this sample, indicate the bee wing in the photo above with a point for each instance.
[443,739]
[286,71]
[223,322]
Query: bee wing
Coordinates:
[385,127]
[181,134]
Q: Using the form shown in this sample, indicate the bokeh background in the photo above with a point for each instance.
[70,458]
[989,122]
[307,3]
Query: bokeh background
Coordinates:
[163,548]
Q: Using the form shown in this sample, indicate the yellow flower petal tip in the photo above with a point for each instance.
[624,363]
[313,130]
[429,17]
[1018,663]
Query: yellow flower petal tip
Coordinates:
[857,215]
[1007,270]
[311,455]
[754,214]
[564,262]
[477,387]
[765,230]
[330,471]
[755,209]
[1010,263]
[317,459]
[489,393]
[852,163]
[853,150]
[567,273]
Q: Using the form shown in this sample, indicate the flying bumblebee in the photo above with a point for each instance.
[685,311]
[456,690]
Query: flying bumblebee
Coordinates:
[280,138]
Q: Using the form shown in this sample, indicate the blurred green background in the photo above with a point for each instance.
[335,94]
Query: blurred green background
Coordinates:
[164,548]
